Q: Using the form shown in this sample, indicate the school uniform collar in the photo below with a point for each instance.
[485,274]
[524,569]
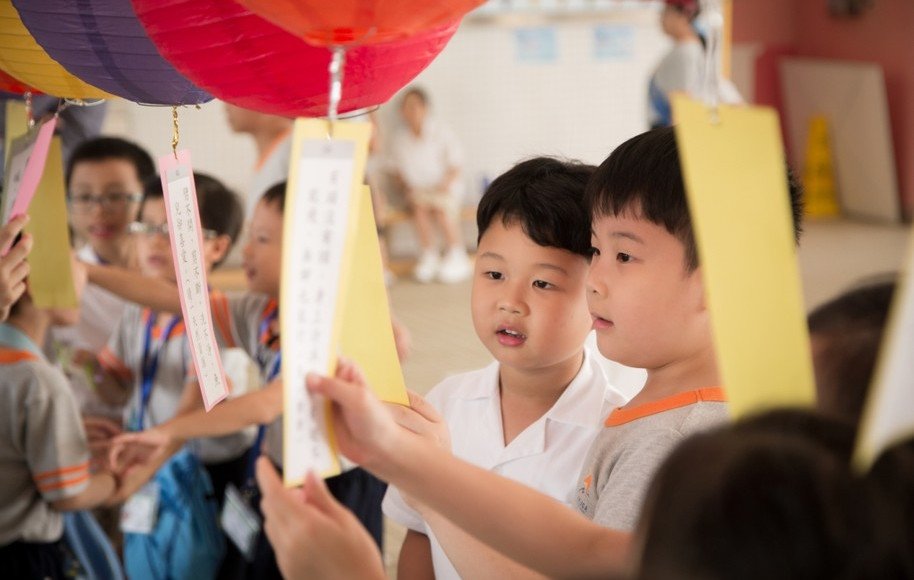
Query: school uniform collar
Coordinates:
[13,338]
[568,408]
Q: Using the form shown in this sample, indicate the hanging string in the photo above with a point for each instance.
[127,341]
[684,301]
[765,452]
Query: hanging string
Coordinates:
[175,134]
[712,69]
[29,119]
[337,61]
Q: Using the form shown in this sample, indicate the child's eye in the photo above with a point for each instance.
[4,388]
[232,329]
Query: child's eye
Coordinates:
[493,275]
[593,252]
[542,284]
[623,257]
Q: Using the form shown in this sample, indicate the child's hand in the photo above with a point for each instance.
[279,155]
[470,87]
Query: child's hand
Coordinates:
[100,432]
[133,450]
[424,420]
[364,428]
[80,274]
[13,266]
[312,535]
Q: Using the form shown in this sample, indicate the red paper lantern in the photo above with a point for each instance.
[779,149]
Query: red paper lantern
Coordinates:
[241,58]
[10,85]
[359,22]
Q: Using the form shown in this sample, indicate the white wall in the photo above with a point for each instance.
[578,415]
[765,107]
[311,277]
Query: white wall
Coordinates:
[502,109]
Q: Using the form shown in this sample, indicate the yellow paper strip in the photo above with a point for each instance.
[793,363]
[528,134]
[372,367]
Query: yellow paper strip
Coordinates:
[318,243]
[888,416]
[50,275]
[367,334]
[16,124]
[735,177]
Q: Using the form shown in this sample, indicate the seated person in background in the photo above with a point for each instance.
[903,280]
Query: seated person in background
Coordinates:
[427,159]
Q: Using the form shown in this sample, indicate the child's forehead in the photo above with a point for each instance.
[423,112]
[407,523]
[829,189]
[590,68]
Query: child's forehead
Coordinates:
[632,226]
[105,168]
[510,243]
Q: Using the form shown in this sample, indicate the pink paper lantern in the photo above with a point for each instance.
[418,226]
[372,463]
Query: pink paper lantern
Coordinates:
[245,60]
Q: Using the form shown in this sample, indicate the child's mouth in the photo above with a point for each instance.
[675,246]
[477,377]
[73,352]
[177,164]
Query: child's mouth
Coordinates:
[600,323]
[510,337]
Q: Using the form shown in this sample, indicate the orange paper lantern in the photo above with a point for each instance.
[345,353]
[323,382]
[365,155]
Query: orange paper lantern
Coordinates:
[359,22]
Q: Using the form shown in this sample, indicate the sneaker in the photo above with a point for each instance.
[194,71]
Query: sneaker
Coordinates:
[427,267]
[455,267]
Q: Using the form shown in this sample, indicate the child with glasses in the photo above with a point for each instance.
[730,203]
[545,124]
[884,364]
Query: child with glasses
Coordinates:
[104,180]
[169,386]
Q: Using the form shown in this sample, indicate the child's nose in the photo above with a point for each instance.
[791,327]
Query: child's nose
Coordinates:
[596,279]
[513,302]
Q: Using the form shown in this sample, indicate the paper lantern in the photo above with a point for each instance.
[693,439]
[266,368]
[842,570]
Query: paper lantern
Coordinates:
[23,59]
[359,22]
[103,43]
[10,85]
[243,59]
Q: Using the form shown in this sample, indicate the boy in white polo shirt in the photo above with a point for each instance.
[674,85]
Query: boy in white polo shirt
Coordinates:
[533,414]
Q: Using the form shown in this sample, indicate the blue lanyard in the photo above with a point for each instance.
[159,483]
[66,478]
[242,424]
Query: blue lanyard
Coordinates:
[151,362]
[261,430]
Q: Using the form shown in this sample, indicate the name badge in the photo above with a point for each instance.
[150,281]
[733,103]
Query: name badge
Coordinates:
[138,516]
[240,522]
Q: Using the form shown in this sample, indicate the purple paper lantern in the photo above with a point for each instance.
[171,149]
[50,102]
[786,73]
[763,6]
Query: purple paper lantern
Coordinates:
[103,43]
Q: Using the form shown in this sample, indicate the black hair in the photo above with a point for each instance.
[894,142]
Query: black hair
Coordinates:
[773,499]
[104,148]
[892,481]
[643,175]
[546,197]
[276,195]
[220,208]
[847,333]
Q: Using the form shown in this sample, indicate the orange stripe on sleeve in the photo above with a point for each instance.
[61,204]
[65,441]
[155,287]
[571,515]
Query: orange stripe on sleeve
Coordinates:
[64,483]
[56,473]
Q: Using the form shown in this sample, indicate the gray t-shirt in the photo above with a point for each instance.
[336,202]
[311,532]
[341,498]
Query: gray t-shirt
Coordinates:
[633,445]
[124,356]
[44,455]
[239,319]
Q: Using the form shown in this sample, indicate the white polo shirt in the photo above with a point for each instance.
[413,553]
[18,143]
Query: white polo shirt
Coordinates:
[424,160]
[547,456]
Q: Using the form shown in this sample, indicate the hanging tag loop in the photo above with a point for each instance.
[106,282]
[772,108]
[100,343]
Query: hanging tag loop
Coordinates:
[29,119]
[337,62]
[175,134]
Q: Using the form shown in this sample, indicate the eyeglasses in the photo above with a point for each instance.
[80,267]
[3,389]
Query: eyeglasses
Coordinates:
[150,230]
[112,202]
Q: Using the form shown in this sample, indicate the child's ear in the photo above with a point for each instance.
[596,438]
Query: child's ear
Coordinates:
[219,247]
